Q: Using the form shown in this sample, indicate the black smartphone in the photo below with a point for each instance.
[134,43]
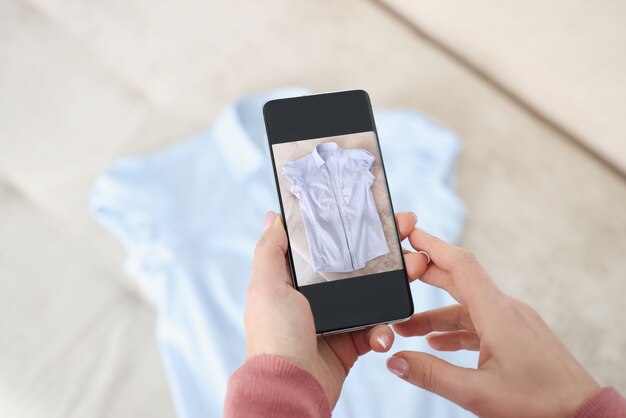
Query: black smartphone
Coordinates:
[344,250]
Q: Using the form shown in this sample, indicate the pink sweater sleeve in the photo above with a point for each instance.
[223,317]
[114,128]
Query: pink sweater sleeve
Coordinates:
[270,386]
[604,403]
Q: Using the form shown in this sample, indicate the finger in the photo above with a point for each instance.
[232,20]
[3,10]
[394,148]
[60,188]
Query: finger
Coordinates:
[429,273]
[269,255]
[454,341]
[378,338]
[470,280]
[448,318]
[443,254]
[418,267]
[428,372]
[416,264]
[381,338]
[438,277]
[406,222]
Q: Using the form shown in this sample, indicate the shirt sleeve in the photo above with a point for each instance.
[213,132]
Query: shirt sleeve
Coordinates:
[293,172]
[270,386]
[364,160]
[604,403]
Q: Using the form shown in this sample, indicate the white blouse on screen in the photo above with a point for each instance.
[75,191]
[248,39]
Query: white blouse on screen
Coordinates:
[333,187]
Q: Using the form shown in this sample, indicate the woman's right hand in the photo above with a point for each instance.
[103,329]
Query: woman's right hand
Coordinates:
[523,369]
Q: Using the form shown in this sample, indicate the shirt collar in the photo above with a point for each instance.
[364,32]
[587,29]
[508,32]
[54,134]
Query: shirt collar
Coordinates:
[319,161]
[239,133]
[240,154]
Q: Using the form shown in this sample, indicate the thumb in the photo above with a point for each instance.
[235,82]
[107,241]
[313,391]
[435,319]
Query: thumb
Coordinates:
[457,384]
[269,255]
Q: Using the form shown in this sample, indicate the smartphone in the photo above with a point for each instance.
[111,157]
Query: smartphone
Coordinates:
[344,251]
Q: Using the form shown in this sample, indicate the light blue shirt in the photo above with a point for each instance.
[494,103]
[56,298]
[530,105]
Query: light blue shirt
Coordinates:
[189,217]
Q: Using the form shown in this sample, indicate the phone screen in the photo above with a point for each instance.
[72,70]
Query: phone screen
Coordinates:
[336,208]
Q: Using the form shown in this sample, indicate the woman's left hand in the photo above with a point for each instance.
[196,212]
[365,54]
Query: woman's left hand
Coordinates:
[278,319]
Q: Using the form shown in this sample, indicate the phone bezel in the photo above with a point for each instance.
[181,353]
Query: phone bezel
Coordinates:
[359,302]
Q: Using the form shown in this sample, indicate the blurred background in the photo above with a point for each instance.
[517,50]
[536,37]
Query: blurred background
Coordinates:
[536,91]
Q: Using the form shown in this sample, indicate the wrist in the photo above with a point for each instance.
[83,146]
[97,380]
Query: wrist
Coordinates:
[295,356]
[278,385]
[580,394]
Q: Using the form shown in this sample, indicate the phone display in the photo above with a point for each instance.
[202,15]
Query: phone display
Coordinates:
[337,210]
[344,250]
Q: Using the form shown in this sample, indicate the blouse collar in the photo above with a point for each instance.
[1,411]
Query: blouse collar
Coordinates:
[330,146]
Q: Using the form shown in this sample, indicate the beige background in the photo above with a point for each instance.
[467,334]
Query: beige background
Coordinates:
[83,83]
[293,216]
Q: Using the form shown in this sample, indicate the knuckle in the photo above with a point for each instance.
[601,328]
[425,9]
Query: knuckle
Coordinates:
[463,259]
[517,304]
[466,256]
[274,251]
[462,318]
[523,305]
[527,309]
[469,341]
[260,246]
[266,248]
[429,377]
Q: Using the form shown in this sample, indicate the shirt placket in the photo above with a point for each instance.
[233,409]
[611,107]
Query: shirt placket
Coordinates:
[342,215]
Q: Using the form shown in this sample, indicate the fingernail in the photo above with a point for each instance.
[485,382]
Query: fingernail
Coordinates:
[269,219]
[398,366]
[383,340]
[414,216]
